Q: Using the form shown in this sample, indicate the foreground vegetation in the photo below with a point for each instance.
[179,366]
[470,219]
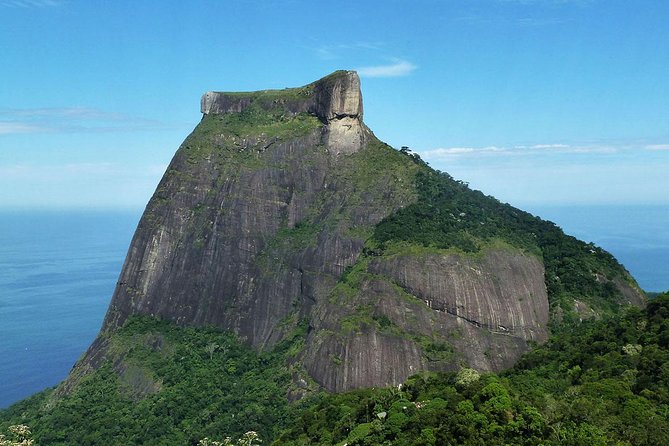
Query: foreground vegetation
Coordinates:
[605,382]
[167,386]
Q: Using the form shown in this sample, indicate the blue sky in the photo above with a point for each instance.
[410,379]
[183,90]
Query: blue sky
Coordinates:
[533,101]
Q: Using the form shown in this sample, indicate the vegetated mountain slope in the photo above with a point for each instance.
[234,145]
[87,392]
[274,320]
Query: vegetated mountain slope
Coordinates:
[283,207]
[173,386]
[606,382]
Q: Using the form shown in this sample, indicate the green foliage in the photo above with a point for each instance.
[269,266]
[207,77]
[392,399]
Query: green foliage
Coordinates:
[207,385]
[466,377]
[289,241]
[243,137]
[597,383]
[19,435]
[581,388]
[250,438]
[427,410]
[272,123]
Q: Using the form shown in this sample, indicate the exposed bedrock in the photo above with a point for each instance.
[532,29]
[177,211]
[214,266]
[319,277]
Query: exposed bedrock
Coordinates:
[251,233]
[430,312]
[335,96]
[502,291]
[336,100]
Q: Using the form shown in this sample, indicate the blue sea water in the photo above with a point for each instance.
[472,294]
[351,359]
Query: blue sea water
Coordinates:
[57,274]
[58,271]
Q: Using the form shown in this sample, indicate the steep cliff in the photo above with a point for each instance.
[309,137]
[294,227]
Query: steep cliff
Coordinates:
[282,208]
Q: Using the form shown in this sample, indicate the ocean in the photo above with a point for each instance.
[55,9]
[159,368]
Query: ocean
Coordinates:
[58,271]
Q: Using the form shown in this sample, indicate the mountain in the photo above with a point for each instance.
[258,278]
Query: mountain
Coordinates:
[297,252]
[282,208]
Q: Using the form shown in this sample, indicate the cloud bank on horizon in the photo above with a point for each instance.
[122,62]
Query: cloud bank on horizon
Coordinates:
[72,120]
[537,150]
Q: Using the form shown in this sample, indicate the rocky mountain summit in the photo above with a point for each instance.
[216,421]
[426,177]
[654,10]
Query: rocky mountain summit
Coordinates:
[283,212]
[336,100]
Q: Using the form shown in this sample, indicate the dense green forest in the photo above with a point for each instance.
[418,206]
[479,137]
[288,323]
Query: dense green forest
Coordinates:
[604,382]
[167,386]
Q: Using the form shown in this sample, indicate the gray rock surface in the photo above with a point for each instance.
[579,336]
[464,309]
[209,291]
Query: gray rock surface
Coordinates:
[477,310]
[335,96]
[336,100]
[215,247]
[502,291]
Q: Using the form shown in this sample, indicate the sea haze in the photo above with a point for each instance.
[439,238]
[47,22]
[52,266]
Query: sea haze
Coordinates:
[57,274]
[58,271]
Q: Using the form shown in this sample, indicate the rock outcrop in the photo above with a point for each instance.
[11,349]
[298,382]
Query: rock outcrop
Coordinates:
[430,311]
[260,224]
[336,100]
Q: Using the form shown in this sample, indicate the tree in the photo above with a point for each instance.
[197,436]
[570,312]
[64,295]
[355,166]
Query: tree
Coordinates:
[211,348]
[250,438]
[20,435]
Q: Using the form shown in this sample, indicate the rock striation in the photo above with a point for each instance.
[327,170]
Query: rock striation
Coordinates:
[437,311]
[261,225]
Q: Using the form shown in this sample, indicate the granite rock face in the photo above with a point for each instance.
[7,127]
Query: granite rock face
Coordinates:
[336,100]
[430,312]
[216,243]
[260,224]
[332,97]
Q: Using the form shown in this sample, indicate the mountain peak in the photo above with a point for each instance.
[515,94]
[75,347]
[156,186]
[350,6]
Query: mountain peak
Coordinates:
[335,99]
[338,95]
[334,96]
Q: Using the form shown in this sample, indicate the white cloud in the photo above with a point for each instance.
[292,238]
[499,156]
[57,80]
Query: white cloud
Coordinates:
[7,128]
[559,173]
[72,120]
[60,172]
[329,52]
[399,67]
[519,150]
[29,3]
[450,151]
[82,170]
[544,146]
[63,112]
[614,181]
[657,147]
